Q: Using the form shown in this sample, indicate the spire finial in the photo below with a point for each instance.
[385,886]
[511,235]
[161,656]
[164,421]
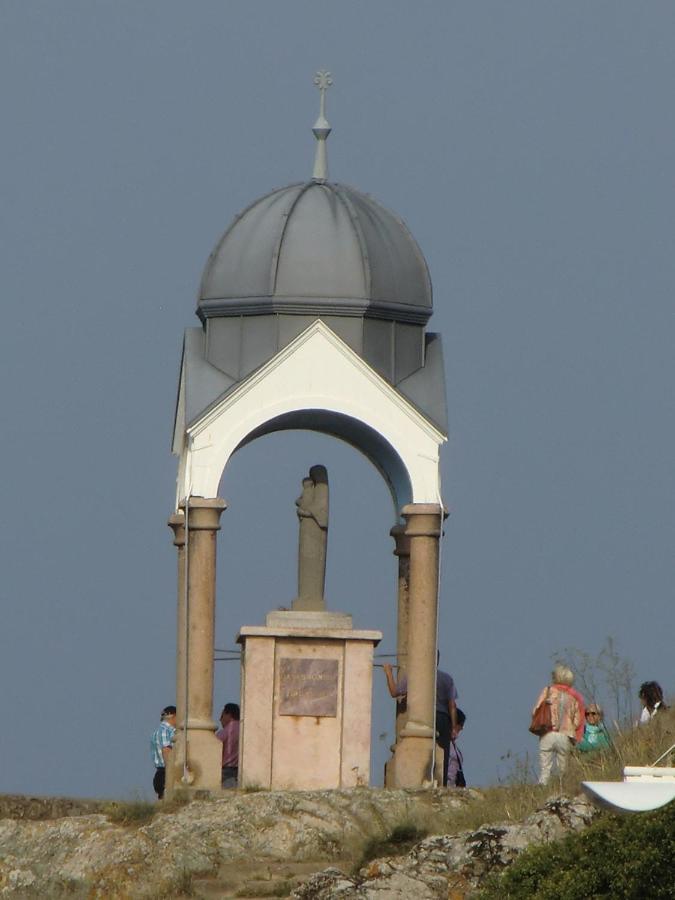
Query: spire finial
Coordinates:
[321,129]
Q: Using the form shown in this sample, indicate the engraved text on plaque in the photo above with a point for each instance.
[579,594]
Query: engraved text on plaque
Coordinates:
[308,687]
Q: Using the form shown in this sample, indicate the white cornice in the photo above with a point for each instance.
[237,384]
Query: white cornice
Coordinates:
[318,329]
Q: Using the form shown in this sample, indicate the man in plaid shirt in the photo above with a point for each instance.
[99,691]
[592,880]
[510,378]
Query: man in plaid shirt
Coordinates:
[161,744]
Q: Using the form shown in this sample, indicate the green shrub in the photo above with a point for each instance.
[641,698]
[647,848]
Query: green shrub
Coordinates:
[630,857]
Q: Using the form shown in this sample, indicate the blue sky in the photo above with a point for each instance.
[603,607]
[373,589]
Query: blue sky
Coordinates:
[529,147]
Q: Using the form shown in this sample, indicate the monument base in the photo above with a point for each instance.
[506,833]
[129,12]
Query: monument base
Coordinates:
[306,702]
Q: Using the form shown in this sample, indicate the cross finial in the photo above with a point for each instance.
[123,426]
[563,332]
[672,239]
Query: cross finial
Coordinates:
[323,80]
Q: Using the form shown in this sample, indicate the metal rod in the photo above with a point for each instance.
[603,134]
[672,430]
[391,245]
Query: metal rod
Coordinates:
[669,750]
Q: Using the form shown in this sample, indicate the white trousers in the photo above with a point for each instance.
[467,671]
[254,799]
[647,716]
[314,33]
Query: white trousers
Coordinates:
[553,747]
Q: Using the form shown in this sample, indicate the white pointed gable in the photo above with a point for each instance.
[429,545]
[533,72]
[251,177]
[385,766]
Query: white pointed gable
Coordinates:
[317,372]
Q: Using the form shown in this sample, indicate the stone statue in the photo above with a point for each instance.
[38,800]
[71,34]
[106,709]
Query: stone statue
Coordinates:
[312,509]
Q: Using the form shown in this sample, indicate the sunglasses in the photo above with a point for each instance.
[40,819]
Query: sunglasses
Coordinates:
[592,712]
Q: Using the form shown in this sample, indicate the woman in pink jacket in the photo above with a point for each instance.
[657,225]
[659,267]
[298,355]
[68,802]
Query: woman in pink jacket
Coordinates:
[567,719]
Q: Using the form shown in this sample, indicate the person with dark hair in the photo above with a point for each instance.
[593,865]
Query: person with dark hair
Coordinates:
[229,735]
[161,744]
[456,760]
[651,698]
[446,707]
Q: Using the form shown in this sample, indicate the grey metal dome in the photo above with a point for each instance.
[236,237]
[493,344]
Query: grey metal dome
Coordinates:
[317,248]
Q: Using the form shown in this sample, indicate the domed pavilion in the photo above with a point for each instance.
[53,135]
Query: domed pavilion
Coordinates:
[313,310]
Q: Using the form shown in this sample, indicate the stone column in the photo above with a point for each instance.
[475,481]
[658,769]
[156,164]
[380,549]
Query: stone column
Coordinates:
[402,553]
[411,765]
[203,749]
[177,525]
[174,771]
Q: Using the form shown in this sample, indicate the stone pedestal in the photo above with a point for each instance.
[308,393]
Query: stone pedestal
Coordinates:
[306,702]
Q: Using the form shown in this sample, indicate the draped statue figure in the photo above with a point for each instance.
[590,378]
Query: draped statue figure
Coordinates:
[312,510]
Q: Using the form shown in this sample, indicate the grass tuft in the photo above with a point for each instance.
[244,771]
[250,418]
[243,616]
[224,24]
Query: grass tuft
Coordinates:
[396,842]
[178,800]
[185,884]
[130,812]
[278,889]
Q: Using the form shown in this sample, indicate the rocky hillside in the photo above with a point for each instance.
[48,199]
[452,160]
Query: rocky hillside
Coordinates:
[450,865]
[302,844]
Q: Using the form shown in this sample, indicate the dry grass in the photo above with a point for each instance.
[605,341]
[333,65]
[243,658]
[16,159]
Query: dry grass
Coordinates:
[634,747]
[178,800]
[181,886]
[140,812]
[279,889]
[521,797]
[130,812]
[396,842]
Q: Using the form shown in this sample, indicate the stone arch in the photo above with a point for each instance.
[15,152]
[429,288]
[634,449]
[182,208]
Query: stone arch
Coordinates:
[358,434]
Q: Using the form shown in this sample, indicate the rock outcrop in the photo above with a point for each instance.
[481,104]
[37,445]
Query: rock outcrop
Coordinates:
[216,847]
[22,806]
[447,865]
[90,856]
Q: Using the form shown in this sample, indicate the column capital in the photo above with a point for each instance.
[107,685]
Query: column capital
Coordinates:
[423,519]
[177,524]
[204,513]
[401,540]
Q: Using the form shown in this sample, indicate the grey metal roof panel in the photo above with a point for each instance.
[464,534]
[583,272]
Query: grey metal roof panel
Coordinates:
[312,243]
[240,264]
[204,384]
[398,270]
[425,388]
[320,255]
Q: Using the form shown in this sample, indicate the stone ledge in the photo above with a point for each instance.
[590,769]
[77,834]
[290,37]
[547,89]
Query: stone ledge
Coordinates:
[308,618]
[329,634]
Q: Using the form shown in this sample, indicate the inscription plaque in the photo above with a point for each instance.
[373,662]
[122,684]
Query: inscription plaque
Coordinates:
[308,687]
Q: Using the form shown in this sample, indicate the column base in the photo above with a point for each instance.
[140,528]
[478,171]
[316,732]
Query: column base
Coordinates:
[204,757]
[174,771]
[416,729]
[410,766]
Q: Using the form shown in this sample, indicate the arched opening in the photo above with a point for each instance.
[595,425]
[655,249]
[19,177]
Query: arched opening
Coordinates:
[354,432]
[257,553]
[317,385]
